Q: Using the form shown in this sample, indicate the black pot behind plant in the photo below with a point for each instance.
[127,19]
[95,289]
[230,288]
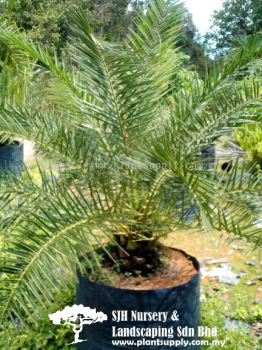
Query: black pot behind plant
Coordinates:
[11,157]
[184,299]
[208,156]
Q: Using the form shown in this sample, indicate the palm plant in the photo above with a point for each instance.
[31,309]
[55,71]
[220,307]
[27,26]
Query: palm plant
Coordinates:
[126,150]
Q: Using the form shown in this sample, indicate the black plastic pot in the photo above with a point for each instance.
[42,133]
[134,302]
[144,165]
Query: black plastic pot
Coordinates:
[208,156]
[12,158]
[184,299]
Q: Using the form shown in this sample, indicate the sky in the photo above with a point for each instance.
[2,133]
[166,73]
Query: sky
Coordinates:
[201,11]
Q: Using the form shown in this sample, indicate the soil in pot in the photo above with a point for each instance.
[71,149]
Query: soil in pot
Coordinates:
[168,268]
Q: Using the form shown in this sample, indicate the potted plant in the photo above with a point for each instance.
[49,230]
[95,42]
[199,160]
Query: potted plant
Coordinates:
[11,156]
[130,149]
[12,90]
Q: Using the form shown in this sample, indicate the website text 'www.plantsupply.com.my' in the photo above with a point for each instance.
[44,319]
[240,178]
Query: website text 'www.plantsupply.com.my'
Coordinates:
[169,342]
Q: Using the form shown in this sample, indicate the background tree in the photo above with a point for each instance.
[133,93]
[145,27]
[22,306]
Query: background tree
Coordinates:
[236,18]
[48,21]
[43,21]
[111,19]
[191,45]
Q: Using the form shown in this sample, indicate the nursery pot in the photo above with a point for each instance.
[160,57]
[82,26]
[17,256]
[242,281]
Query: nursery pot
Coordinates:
[208,156]
[11,157]
[129,316]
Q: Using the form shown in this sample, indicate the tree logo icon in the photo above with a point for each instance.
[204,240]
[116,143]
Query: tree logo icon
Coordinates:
[77,316]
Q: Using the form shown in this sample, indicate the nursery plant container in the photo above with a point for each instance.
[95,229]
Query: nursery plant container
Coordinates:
[208,156]
[185,299]
[12,157]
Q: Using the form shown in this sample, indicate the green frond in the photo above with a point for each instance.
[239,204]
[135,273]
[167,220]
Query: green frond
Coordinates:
[224,205]
[45,244]
[54,135]
[36,53]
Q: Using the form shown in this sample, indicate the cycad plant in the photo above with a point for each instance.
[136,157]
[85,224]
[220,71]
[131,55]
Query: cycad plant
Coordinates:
[124,146]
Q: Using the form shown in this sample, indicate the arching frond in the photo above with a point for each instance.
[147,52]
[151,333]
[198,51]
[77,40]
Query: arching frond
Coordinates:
[48,229]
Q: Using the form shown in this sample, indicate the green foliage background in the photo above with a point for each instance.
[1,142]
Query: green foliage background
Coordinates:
[48,22]
[236,18]
[42,335]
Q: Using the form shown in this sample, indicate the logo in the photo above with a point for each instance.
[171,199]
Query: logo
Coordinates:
[77,316]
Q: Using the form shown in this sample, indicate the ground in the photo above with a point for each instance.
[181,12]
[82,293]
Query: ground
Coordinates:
[235,309]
